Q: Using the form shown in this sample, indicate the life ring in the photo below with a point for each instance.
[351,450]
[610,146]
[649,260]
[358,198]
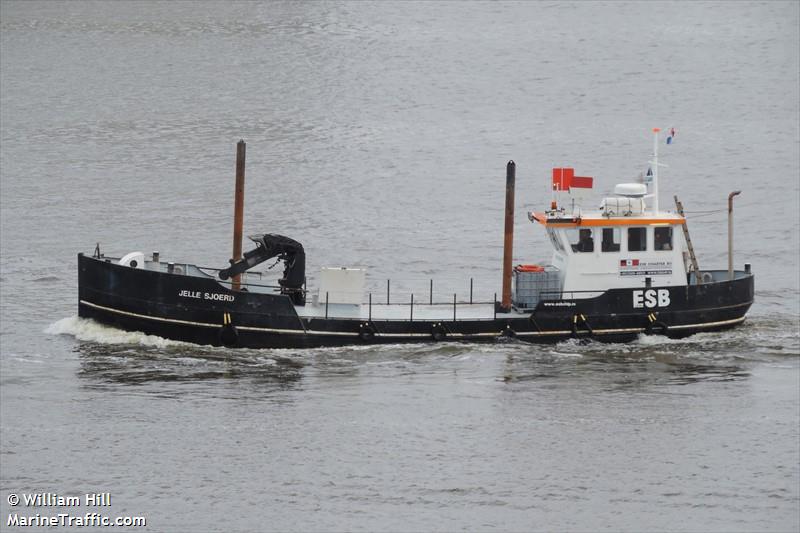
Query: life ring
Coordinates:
[438,332]
[366,331]
[529,268]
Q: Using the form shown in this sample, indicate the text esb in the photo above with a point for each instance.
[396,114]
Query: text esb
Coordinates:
[651,298]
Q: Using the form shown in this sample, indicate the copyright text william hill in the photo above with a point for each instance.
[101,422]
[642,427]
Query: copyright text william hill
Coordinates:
[67,516]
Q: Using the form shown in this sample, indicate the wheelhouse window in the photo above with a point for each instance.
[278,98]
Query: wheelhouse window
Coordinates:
[581,240]
[611,240]
[637,239]
[662,238]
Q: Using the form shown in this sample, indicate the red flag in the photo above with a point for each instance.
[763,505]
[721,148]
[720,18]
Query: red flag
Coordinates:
[562,178]
[582,182]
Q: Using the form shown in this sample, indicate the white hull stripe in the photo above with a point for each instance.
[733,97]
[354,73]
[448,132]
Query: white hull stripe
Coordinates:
[347,334]
[207,325]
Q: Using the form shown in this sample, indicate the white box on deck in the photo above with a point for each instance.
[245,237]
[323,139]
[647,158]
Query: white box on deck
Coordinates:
[342,285]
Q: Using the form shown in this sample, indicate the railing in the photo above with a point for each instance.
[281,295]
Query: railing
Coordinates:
[404,295]
[412,304]
[409,299]
[389,297]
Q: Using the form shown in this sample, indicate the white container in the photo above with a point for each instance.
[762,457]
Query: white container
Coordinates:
[622,206]
[342,285]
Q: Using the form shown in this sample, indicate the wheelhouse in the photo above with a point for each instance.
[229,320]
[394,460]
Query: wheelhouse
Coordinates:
[627,243]
[599,252]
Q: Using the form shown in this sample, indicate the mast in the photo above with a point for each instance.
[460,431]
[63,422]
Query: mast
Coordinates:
[654,164]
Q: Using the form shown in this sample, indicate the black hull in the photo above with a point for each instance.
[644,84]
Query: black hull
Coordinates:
[149,301]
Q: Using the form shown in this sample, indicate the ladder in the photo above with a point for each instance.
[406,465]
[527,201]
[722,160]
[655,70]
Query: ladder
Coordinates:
[692,257]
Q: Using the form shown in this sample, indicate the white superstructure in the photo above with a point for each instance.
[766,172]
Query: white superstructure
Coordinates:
[627,243]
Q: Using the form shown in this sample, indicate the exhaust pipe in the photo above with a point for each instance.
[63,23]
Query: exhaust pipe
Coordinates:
[508,243]
[730,232]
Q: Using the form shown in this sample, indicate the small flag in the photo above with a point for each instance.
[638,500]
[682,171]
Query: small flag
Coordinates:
[671,135]
[562,178]
[565,179]
[581,182]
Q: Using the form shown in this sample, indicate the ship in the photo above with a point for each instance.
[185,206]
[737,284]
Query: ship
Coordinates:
[618,271]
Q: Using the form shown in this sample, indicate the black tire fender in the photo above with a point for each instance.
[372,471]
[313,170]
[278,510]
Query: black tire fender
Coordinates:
[656,328]
[438,332]
[228,335]
[509,333]
[366,331]
[585,321]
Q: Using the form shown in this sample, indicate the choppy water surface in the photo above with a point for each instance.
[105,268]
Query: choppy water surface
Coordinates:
[377,136]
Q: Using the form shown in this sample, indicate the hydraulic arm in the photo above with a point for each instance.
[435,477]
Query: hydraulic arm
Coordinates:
[269,245]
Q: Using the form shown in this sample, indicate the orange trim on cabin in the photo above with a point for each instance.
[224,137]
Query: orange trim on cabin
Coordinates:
[541,218]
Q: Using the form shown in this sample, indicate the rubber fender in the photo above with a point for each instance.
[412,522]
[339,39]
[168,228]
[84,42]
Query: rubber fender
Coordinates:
[508,332]
[656,328]
[438,332]
[581,318]
[366,331]
[228,335]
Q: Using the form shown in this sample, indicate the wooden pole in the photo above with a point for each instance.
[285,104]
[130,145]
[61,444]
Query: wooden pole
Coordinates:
[508,243]
[238,211]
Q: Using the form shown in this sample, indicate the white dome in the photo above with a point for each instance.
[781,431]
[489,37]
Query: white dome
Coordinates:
[632,190]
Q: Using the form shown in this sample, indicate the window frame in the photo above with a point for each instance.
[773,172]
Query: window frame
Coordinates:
[671,240]
[577,231]
[618,243]
[642,241]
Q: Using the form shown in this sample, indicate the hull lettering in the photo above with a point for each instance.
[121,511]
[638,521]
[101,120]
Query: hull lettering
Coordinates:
[651,298]
[213,296]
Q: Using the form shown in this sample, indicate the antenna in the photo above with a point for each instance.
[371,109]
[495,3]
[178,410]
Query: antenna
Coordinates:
[654,163]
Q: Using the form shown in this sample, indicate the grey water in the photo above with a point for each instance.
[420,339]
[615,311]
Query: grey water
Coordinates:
[377,136]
